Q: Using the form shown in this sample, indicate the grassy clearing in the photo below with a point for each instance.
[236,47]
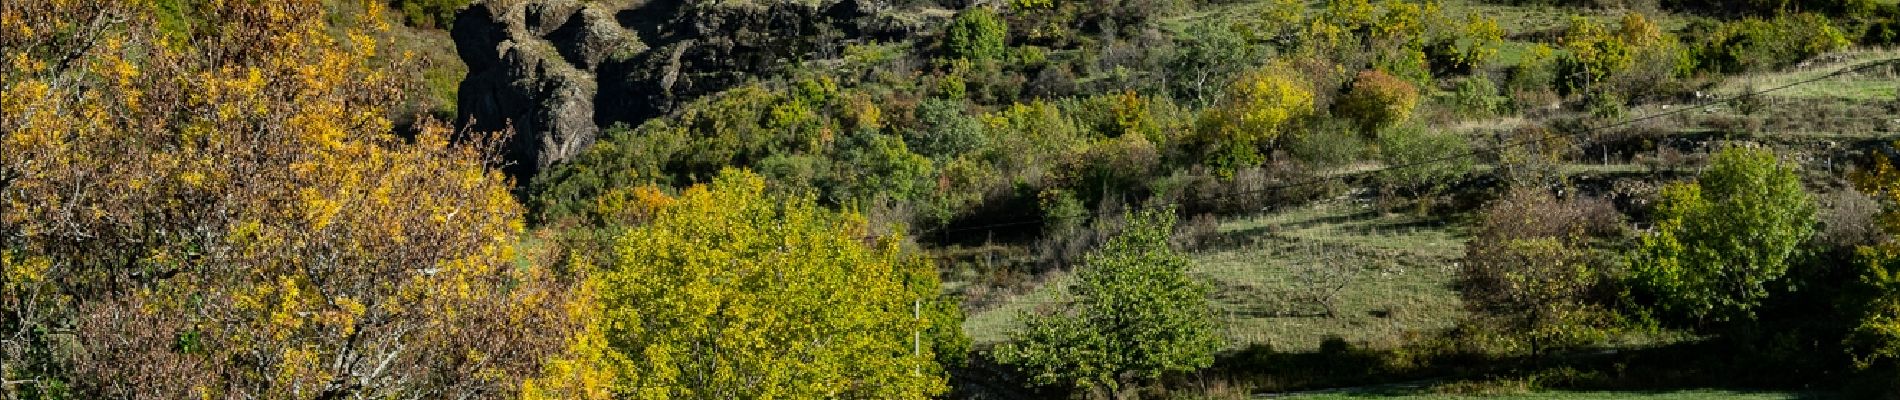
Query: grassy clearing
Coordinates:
[1520,19]
[1567,395]
[1878,84]
[1513,18]
[993,325]
[1396,272]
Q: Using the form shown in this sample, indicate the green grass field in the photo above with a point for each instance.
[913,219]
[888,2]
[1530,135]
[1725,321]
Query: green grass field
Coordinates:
[1293,279]
[993,325]
[1397,289]
[1393,274]
[1875,85]
[1395,270]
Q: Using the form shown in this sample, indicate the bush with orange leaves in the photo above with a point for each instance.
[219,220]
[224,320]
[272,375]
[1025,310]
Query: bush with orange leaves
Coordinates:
[1377,100]
[224,213]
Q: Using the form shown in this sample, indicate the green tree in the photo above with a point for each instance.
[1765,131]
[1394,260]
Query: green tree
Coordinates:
[731,293]
[1634,58]
[976,34]
[1137,314]
[1422,161]
[875,167]
[1719,243]
[1755,44]
[1208,54]
[1595,53]
[1467,48]
[945,130]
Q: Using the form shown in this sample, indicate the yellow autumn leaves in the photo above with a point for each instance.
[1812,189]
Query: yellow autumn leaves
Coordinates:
[231,214]
[728,292]
[228,210]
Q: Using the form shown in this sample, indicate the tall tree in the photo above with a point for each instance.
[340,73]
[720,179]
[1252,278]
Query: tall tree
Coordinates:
[1137,315]
[1875,341]
[976,34]
[222,211]
[1720,242]
[731,293]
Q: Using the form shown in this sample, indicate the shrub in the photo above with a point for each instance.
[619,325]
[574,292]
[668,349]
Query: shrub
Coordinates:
[1320,281]
[1594,54]
[1137,314]
[1720,244]
[1636,59]
[1772,7]
[962,183]
[1062,212]
[1755,44]
[1110,167]
[430,13]
[622,158]
[1533,157]
[976,34]
[1848,218]
[795,173]
[1529,269]
[877,167]
[739,126]
[743,126]
[945,131]
[1467,48]
[1530,83]
[1253,114]
[1026,139]
[1377,100]
[1883,32]
[1605,105]
[1329,143]
[1422,162]
[1477,97]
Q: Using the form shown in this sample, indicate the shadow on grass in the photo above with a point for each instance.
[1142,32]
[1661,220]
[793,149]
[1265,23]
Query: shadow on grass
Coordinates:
[1414,393]
[1432,366]
[1427,368]
[1359,223]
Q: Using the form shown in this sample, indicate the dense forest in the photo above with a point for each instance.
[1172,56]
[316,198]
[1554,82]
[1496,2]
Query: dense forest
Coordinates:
[970,199]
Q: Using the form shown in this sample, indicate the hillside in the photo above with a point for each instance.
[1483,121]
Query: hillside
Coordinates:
[711,199]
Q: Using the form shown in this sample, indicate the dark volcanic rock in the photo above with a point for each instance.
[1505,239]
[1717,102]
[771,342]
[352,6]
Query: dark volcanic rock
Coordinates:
[559,70]
[519,78]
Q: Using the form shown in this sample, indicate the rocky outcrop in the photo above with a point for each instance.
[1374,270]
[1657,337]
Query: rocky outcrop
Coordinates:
[557,71]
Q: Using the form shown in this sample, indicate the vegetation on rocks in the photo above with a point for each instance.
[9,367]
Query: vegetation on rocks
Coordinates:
[558,199]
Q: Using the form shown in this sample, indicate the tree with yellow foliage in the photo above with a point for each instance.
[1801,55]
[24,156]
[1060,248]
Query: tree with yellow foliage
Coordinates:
[730,293]
[223,212]
[1875,342]
[1252,115]
[1633,57]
